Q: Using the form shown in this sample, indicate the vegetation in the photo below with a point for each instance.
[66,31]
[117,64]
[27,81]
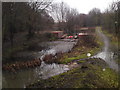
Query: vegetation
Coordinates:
[22,22]
[113,38]
[85,76]
[75,55]
[26,24]
[111,18]
[80,51]
[114,43]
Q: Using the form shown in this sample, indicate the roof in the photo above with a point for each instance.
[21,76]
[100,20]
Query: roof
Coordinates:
[87,28]
[56,31]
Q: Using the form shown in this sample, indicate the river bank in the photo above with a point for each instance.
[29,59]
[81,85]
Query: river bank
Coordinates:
[61,52]
[115,46]
[92,73]
[29,72]
[81,50]
[49,55]
[23,49]
[69,59]
[87,73]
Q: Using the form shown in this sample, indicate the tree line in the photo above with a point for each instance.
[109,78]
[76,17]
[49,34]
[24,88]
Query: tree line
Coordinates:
[24,17]
[68,18]
[33,17]
[22,22]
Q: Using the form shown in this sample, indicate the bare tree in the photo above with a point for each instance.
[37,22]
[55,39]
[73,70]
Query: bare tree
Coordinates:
[39,7]
[111,18]
[59,13]
[115,8]
[65,16]
[71,20]
[94,17]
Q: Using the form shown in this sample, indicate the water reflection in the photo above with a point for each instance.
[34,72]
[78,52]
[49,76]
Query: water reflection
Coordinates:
[108,57]
[47,70]
[25,77]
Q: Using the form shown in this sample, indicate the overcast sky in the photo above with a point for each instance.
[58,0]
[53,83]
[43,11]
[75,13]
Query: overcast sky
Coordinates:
[84,6]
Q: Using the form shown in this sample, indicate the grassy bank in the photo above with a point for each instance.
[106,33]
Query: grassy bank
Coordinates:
[114,44]
[90,73]
[95,74]
[82,49]
[78,53]
[113,38]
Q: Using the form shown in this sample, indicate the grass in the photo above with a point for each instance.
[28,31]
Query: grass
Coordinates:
[67,60]
[114,42]
[92,51]
[109,76]
[92,76]
[114,39]
[80,52]
[81,61]
[89,73]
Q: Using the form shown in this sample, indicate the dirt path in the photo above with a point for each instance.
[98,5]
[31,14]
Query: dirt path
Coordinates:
[106,53]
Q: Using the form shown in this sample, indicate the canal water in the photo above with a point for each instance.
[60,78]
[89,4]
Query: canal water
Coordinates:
[25,77]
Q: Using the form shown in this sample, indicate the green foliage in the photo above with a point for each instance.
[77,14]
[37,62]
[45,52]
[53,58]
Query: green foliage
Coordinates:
[67,60]
[81,61]
[109,76]
[114,39]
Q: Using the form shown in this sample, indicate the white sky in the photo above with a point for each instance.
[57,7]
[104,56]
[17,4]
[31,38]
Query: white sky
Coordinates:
[84,6]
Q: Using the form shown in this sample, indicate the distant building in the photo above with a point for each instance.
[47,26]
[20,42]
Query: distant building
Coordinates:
[86,30]
[57,34]
[55,26]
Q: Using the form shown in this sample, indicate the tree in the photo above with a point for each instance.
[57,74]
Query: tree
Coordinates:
[59,13]
[115,7]
[94,17]
[37,10]
[9,19]
[71,20]
[81,20]
[24,16]
[21,19]
[111,18]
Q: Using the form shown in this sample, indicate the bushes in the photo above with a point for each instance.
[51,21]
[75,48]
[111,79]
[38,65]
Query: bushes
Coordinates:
[50,36]
[88,41]
[34,47]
